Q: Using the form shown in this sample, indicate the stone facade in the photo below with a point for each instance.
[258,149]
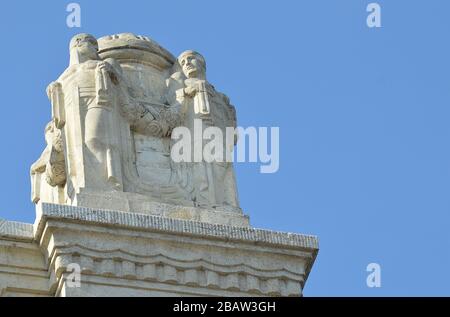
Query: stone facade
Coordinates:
[130,254]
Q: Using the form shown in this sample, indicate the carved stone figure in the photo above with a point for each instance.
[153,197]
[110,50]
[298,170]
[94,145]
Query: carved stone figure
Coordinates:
[210,184]
[97,83]
[50,167]
[115,108]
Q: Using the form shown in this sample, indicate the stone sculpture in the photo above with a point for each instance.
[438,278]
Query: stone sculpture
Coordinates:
[116,215]
[115,108]
[49,170]
[211,183]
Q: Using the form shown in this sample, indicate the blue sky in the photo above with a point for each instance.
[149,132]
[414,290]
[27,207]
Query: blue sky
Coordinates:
[363,114]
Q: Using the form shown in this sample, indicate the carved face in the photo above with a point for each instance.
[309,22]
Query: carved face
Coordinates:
[192,65]
[86,45]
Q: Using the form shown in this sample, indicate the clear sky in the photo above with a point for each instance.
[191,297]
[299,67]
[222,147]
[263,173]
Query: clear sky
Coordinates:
[363,114]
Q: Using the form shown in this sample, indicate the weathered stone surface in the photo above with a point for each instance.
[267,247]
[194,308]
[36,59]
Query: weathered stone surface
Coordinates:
[22,265]
[129,254]
[126,219]
[109,140]
[116,213]
[16,230]
[142,255]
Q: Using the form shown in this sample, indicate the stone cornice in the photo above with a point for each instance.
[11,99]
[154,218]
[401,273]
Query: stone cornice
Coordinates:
[175,226]
[16,230]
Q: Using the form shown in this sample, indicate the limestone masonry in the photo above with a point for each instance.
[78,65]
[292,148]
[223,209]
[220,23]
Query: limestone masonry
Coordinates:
[115,215]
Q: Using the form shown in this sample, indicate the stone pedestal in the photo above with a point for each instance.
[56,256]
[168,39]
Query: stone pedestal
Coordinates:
[130,254]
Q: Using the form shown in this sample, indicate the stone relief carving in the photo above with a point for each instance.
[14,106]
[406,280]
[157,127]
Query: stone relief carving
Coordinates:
[164,268]
[209,183]
[50,167]
[114,109]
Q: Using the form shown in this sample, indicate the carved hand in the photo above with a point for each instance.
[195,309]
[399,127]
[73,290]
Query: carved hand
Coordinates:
[51,88]
[190,91]
[104,65]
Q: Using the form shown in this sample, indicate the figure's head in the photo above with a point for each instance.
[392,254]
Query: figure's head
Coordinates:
[193,64]
[85,46]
